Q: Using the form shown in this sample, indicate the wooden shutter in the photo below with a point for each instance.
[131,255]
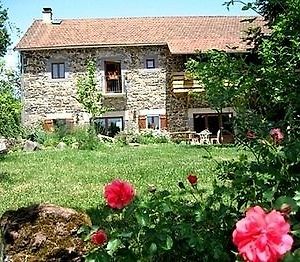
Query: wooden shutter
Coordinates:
[142,122]
[163,122]
[48,125]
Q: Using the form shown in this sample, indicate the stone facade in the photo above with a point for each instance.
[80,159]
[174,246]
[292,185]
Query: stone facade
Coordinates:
[145,92]
[142,89]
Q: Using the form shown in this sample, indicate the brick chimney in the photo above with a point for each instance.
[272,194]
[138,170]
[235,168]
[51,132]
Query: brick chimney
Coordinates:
[47,15]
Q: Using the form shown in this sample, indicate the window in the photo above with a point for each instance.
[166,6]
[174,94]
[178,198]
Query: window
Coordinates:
[153,122]
[113,77]
[150,63]
[62,124]
[57,70]
[109,126]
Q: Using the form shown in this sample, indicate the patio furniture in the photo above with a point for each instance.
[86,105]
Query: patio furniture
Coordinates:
[216,140]
[193,138]
[204,137]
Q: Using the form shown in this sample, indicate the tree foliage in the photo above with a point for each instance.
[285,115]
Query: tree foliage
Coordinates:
[10,105]
[4,35]
[263,87]
[88,94]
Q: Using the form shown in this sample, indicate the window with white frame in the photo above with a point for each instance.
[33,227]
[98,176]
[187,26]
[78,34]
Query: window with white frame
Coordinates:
[58,70]
[150,63]
[153,122]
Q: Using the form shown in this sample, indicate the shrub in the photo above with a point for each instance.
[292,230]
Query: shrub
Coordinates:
[86,138]
[125,137]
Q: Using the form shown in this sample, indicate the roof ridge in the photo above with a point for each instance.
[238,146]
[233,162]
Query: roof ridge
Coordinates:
[153,17]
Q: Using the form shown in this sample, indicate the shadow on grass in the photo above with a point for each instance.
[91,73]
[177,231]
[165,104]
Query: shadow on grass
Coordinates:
[5,177]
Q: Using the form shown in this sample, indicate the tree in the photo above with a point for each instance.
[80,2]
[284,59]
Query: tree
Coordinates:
[4,36]
[265,91]
[263,87]
[88,94]
[10,105]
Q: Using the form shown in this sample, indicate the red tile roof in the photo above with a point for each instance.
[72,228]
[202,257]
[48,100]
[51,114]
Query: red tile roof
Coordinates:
[183,35]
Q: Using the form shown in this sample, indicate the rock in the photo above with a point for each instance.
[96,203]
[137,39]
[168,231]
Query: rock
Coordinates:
[75,145]
[42,233]
[31,146]
[3,147]
[61,145]
[134,144]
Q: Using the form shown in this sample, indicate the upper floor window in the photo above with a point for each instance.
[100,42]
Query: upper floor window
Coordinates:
[150,63]
[58,70]
[113,77]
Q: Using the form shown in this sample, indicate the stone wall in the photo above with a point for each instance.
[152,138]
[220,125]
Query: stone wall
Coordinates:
[44,97]
[144,90]
[178,104]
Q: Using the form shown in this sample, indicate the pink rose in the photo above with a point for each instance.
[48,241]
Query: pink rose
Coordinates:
[118,194]
[262,237]
[99,238]
[276,135]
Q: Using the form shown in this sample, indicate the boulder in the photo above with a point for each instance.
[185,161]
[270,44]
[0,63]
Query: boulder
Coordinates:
[31,146]
[75,145]
[61,145]
[42,233]
[3,147]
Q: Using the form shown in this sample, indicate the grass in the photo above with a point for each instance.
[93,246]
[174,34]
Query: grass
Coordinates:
[75,178]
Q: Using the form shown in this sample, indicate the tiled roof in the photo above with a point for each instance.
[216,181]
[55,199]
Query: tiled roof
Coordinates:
[183,35]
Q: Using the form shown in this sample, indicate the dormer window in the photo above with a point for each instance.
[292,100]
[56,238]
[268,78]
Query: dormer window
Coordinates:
[58,70]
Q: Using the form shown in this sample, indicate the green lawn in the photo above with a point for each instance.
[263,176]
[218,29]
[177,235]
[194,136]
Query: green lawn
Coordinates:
[75,178]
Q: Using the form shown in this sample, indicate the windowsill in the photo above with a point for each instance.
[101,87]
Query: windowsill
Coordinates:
[58,79]
[114,94]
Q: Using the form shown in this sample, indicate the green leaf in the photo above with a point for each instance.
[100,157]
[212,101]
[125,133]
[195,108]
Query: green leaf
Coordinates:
[297,198]
[126,235]
[98,256]
[292,257]
[169,243]
[166,208]
[142,219]
[268,195]
[286,200]
[153,248]
[83,229]
[113,246]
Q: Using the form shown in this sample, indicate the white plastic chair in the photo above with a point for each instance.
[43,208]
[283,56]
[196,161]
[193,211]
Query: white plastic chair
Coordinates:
[204,137]
[216,139]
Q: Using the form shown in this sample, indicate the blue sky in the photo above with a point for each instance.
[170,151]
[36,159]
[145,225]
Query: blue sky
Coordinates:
[23,12]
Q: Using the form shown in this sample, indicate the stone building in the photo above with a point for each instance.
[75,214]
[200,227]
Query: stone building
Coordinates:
[140,65]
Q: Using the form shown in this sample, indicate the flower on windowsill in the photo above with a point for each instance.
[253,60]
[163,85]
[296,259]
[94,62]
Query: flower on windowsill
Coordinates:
[119,194]
[99,238]
[251,134]
[277,135]
[261,236]
[192,179]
